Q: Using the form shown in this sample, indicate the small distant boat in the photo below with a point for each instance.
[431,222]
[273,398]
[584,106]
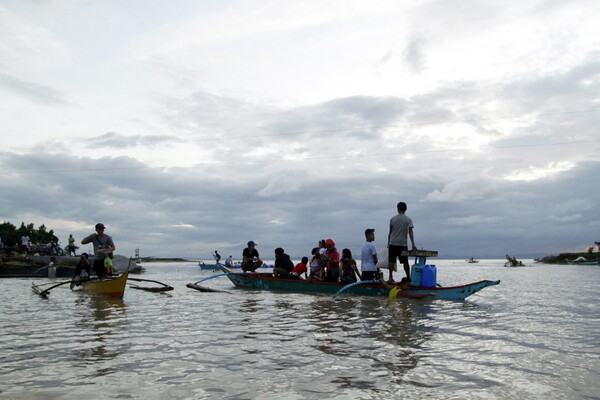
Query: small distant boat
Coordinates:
[472,260]
[211,267]
[111,287]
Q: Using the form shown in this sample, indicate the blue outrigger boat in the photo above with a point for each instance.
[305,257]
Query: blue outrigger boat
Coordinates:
[266,281]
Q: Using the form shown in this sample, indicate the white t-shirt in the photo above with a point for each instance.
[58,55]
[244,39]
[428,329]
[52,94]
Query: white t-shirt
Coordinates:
[25,240]
[366,257]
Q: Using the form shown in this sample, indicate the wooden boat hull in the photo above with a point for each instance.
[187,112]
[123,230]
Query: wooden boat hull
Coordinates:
[262,281]
[114,287]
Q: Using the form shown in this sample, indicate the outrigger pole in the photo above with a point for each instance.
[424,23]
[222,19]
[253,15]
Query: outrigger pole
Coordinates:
[351,285]
[205,289]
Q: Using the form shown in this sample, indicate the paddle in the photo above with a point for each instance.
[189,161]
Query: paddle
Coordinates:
[352,285]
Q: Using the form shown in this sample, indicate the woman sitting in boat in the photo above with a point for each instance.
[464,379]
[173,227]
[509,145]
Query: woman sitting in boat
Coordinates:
[348,267]
[299,269]
[317,270]
[332,261]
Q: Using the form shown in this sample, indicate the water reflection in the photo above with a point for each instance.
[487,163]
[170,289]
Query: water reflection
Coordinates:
[386,335]
[103,319]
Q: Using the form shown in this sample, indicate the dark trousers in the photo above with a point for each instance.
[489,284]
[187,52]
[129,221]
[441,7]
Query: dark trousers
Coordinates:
[99,268]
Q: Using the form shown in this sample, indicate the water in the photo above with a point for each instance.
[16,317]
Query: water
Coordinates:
[535,336]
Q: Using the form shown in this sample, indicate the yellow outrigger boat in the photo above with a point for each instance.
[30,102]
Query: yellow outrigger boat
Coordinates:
[112,287]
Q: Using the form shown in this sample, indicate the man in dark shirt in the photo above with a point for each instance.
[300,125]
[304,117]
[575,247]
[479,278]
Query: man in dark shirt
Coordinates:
[283,264]
[250,258]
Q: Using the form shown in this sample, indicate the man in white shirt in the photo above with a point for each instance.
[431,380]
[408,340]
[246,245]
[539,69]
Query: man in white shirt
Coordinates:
[368,257]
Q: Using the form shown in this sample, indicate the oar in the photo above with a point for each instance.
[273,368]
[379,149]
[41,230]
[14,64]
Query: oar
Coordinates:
[204,289]
[166,287]
[352,285]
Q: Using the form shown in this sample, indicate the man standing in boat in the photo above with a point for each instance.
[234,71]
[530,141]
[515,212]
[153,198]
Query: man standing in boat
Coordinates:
[401,226]
[368,257]
[250,258]
[103,245]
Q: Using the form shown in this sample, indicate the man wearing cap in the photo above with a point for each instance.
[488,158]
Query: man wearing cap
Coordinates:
[103,245]
[250,258]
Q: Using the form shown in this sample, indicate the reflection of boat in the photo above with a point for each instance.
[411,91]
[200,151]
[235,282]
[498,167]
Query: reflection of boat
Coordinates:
[266,281]
[472,260]
[112,287]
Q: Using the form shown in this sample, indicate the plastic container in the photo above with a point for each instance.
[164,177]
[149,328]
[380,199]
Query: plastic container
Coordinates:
[429,276]
[416,274]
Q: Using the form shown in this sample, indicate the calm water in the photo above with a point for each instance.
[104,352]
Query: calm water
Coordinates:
[535,336]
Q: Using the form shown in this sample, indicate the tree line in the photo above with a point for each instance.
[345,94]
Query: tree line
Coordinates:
[11,235]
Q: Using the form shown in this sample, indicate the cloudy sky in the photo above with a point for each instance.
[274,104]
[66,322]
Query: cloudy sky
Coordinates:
[191,126]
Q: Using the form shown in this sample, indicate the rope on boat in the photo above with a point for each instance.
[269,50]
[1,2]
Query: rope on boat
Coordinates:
[351,285]
[164,288]
[205,289]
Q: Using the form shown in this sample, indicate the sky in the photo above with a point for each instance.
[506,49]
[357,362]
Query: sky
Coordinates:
[193,126]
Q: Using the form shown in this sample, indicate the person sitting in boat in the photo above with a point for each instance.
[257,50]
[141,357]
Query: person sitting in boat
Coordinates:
[332,261]
[401,290]
[229,262]
[82,265]
[299,269]
[250,258]
[317,266]
[348,267]
[283,264]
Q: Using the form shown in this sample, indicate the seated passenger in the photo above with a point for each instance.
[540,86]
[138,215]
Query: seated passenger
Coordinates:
[317,266]
[348,267]
[283,264]
[250,258]
[299,269]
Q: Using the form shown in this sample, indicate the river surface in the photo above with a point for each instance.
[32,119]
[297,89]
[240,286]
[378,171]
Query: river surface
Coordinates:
[535,336]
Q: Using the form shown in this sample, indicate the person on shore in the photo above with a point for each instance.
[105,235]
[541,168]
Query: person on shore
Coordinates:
[317,266]
[332,261]
[283,264]
[103,245]
[25,243]
[401,226]
[368,257]
[299,269]
[71,248]
[348,267]
[250,258]
[401,290]
[82,265]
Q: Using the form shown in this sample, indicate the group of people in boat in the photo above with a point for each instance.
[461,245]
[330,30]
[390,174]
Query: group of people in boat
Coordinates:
[326,264]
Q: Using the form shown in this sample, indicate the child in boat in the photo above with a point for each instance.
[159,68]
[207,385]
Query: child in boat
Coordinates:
[299,269]
[401,290]
[317,267]
[348,267]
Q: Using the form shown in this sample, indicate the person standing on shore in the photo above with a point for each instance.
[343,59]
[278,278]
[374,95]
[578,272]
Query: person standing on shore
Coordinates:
[401,226]
[103,245]
[368,257]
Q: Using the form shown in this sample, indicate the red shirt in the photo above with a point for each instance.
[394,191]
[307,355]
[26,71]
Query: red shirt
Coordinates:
[334,257]
[300,269]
